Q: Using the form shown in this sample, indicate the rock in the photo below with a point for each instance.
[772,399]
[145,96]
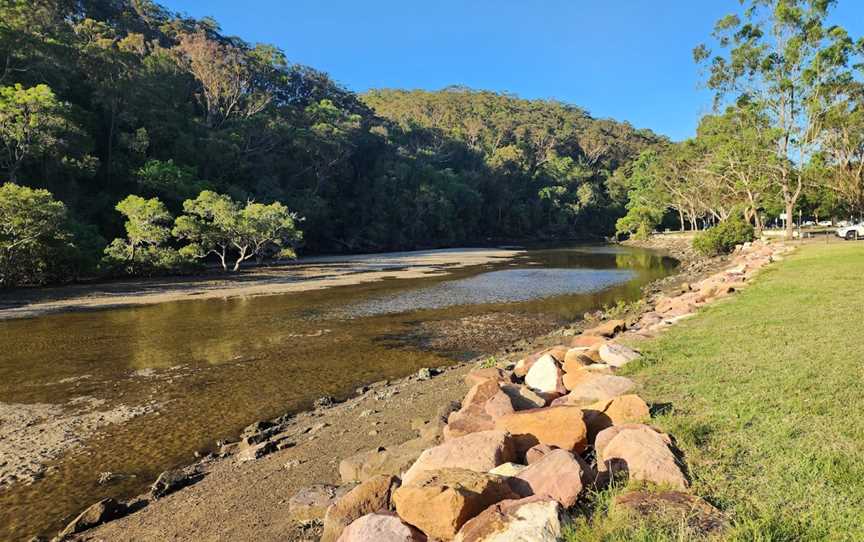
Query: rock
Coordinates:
[478,376]
[95,514]
[575,359]
[537,452]
[534,519]
[425,373]
[617,355]
[607,329]
[573,378]
[508,469]
[642,453]
[618,411]
[524,364]
[560,426]
[440,502]
[480,452]
[586,341]
[559,475]
[393,460]
[474,415]
[545,376]
[380,528]
[325,401]
[672,506]
[373,495]
[522,397]
[597,387]
[173,480]
[251,452]
[311,503]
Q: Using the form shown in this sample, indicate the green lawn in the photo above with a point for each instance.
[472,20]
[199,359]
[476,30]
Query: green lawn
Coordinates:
[767,402]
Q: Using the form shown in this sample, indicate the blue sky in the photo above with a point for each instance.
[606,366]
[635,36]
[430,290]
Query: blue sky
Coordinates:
[626,59]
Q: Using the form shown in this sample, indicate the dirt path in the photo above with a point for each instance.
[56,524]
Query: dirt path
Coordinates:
[303,275]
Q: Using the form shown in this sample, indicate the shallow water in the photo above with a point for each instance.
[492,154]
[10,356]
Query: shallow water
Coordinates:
[214,366]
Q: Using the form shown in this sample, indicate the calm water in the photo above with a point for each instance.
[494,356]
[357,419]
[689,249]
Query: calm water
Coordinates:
[215,366]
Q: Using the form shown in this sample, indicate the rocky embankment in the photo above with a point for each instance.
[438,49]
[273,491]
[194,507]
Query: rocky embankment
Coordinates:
[516,456]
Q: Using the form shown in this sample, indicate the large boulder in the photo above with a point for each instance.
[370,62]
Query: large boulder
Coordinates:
[559,426]
[380,528]
[311,503]
[440,502]
[617,355]
[533,519]
[522,397]
[373,495]
[478,376]
[482,404]
[537,452]
[609,328]
[597,387]
[524,365]
[393,460]
[642,453]
[618,411]
[480,452]
[671,506]
[544,377]
[576,359]
[559,475]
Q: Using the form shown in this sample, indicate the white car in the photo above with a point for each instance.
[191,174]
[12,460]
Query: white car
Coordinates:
[855,231]
[825,223]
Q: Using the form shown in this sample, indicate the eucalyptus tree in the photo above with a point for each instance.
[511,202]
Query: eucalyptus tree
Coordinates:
[783,55]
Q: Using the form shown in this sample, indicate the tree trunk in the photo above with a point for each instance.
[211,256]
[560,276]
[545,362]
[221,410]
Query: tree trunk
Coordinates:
[681,218]
[790,224]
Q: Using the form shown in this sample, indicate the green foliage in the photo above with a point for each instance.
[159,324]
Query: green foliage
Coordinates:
[489,362]
[36,245]
[647,203]
[722,238]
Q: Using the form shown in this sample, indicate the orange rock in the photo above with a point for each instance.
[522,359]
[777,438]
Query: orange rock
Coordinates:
[575,359]
[618,411]
[559,426]
[586,340]
[607,329]
[478,376]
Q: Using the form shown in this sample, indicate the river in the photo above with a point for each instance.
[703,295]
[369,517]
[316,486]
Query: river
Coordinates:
[138,390]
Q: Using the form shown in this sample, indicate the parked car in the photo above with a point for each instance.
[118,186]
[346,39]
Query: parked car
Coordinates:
[855,231]
[825,223]
[808,223]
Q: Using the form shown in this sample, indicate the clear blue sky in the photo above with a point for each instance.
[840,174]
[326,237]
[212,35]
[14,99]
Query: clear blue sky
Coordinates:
[626,59]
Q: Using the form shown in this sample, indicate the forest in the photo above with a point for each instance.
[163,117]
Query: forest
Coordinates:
[136,141]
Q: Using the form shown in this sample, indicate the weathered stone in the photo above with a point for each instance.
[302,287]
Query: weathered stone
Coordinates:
[480,452]
[575,359]
[617,355]
[672,506]
[598,387]
[642,453]
[524,365]
[607,329]
[559,475]
[574,377]
[440,502]
[545,376]
[560,426]
[618,411]
[586,341]
[483,403]
[537,452]
[393,460]
[522,397]
[251,452]
[533,519]
[96,514]
[373,495]
[311,503]
[478,376]
[173,480]
[508,469]
[380,528]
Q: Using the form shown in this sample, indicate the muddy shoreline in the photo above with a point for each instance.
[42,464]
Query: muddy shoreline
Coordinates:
[253,495]
[314,273]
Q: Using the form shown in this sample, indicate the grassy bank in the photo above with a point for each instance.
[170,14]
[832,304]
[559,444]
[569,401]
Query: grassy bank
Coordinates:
[764,393]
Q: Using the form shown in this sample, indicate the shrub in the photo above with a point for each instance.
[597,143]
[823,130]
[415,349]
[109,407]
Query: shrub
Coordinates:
[722,238]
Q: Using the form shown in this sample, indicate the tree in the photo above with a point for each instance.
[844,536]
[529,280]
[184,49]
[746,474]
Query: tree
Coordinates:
[784,56]
[148,228]
[34,235]
[647,202]
[30,120]
[215,224]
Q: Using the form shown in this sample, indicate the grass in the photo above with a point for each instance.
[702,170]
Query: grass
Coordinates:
[764,393]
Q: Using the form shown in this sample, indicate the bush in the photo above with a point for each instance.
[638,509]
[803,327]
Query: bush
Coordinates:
[722,238]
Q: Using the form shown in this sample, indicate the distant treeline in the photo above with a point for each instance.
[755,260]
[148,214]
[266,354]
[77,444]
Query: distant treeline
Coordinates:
[103,99]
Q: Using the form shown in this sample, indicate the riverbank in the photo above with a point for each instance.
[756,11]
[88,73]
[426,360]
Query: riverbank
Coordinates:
[380,417]
[306,274]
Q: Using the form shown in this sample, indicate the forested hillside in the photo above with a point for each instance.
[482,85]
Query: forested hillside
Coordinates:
[102,99]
